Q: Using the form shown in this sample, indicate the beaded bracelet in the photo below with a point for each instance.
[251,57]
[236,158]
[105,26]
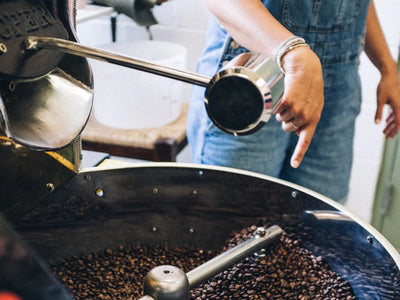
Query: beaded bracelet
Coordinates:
[286,46]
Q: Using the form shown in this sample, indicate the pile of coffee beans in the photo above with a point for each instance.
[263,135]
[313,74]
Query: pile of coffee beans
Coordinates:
[119,273]
[284,271]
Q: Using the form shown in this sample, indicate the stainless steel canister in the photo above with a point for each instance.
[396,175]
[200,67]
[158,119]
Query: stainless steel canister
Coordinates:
[241,97]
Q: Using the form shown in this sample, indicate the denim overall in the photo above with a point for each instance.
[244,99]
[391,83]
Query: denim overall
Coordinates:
[335,31]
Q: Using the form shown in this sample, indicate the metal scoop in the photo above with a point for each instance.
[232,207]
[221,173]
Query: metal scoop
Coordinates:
[45,113]
[239,99]
[171,283]
[45,96]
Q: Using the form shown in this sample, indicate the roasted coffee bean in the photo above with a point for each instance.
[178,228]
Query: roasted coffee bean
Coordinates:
[284,271]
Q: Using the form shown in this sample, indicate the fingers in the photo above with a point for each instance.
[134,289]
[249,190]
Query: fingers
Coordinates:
[301,105]
[378,113]
[288,121]
[305,137]
[392,126]
[284,116]
[388,93]
[290,126]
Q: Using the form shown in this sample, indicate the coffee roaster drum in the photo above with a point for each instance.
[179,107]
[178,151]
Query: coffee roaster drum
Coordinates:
[199,206]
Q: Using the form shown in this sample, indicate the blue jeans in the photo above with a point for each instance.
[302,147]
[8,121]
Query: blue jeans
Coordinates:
[327,164]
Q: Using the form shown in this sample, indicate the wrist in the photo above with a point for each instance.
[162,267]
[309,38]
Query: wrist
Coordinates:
[300,60]
[388,67]
[286,46]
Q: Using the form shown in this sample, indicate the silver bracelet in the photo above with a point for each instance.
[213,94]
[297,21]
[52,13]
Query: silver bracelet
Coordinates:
[286,46]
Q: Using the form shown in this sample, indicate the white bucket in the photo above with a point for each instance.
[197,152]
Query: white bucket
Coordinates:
[130,99]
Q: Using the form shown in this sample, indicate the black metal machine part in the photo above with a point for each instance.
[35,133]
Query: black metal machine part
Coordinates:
[27,178]
[26,17]
[38,89]
[58,213]
[23,274]
[48,18]
[99,209]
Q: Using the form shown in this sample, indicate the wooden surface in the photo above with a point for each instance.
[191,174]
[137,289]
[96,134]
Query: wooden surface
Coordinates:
[155,144]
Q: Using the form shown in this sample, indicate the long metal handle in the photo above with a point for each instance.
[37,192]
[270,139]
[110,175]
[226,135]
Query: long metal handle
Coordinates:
[157,282]
[37,43]
[230,257]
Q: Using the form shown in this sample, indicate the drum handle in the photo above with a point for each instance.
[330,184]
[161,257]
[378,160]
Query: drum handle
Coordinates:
[39,43]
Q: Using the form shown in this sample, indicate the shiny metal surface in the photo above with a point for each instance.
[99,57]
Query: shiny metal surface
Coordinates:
[37,43]
[232,256]
[47,112]
[243,95]
[166,283]
[171,283]
[226,200]
[239,99]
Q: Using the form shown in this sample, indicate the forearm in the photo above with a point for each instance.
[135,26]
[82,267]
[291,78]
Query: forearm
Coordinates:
[376,46]
[388,90]
[253,26]
[250,24]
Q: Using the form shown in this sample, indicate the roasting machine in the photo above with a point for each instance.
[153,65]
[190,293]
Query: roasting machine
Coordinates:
[51,209]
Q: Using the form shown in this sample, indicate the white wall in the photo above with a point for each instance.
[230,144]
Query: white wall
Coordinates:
[181,21]
[369,140]
[185,21]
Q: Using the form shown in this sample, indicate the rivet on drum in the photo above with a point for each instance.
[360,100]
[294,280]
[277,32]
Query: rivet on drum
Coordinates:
[3,48]
[155,191]
[12,86]
[295,194]
[99,192]
[50,187]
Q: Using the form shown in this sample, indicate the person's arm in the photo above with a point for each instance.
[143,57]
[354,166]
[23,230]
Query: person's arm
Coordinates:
[388,91]
[252,25]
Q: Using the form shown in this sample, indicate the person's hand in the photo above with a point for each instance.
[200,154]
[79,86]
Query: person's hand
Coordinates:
[303,99]
[388,92]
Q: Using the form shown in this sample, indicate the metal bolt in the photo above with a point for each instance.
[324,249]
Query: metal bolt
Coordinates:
[261,231]
[261,253]
[201,173]
[88,177]
[154,229]
[295,194]
[155,191]
[50,187]
[191,231]
[12,86]
[99,192]
[370,239]
[3,48]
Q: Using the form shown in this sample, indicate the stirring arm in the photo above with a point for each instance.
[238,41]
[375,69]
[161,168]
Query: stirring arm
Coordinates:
[232,256]
[170,282]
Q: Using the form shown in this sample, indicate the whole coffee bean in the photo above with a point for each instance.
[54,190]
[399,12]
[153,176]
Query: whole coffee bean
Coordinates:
[287,271]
